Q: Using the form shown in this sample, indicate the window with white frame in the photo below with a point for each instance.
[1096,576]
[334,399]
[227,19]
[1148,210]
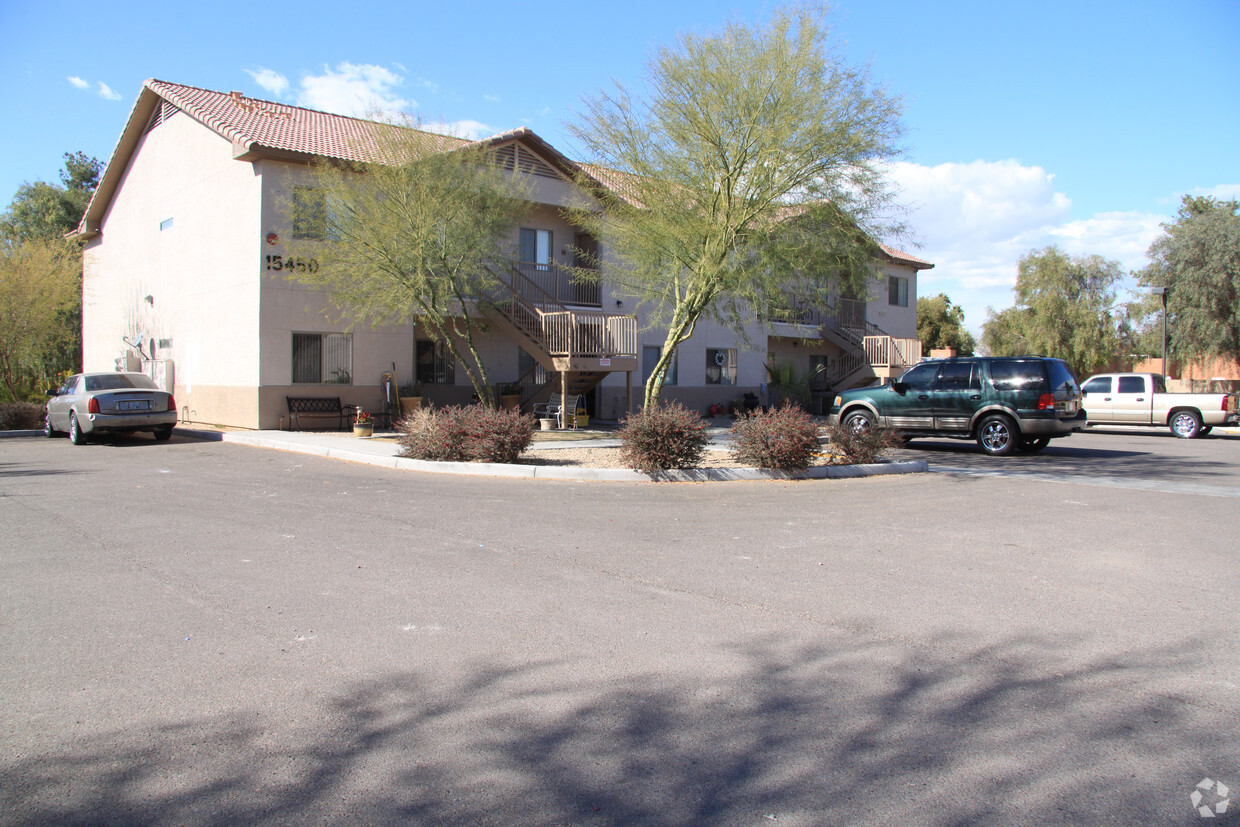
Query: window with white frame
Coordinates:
[312,214]
[650,358]
[897,291]
[433,363]
[720,366]
[323,358]
[536,246]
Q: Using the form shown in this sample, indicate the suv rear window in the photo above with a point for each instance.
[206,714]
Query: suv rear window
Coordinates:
[1061,377]
[1013,375]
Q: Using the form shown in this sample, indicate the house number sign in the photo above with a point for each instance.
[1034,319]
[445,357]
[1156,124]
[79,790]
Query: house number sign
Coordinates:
[295,265]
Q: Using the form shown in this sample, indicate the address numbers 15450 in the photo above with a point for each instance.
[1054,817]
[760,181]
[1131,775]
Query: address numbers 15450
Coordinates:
[296,265]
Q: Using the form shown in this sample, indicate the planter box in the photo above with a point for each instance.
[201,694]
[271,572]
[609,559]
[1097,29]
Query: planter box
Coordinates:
[409,404]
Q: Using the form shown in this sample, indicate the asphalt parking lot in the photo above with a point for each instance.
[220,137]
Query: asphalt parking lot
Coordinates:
[204,633]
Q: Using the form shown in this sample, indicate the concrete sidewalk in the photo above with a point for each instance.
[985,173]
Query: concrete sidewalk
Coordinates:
[383,452]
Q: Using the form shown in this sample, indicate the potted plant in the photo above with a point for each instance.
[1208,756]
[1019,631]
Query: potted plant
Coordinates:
[363,424]
[510,396]
[410,399]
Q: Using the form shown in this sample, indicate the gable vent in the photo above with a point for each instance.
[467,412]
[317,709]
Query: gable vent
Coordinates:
[516,156]
[162,113]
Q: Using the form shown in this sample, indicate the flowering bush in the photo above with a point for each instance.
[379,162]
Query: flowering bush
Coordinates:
[784,439]
[464,434]
[660,437]
[864,446]
[20,416]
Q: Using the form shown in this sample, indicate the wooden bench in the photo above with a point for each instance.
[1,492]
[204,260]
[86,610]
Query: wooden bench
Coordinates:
[318,406]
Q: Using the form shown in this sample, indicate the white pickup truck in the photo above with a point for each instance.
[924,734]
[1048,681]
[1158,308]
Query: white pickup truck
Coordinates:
[1142,399]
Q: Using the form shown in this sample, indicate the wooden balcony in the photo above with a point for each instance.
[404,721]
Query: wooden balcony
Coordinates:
[551,283]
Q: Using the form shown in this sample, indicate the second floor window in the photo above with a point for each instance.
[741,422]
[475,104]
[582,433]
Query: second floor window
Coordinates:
[535,246]
[311,212]
[897,291]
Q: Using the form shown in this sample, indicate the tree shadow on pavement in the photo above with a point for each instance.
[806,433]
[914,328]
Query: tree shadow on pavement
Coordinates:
[877,732]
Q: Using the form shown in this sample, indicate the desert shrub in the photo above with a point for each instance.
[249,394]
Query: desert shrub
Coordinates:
[20,416]
[865,446]
[465,434]
[498,435]
[660,437]
[783,439]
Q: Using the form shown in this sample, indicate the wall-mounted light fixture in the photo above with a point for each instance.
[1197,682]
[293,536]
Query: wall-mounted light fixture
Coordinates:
[619,303]
[149,300]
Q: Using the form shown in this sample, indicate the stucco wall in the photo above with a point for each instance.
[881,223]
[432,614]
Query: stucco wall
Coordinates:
[197,270]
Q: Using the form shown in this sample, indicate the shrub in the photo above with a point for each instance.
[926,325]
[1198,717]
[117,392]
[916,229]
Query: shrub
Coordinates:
[465,434]
[784,439]
[861,447]
[20,416]
[660,437]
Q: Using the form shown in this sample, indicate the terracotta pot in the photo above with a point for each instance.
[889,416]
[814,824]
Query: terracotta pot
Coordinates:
[510,402]
[409,404]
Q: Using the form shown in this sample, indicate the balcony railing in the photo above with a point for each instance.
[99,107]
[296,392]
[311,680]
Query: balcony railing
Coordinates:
[562,285]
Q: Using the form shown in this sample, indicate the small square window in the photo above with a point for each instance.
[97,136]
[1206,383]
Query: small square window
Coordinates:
[166,224]
[720,366]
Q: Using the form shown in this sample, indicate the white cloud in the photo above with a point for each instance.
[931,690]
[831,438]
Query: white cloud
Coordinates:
[473,130]
[491,98]
[975,221]
[353,89]
[107,93]
[79,82]
[271,80]
[1223,192]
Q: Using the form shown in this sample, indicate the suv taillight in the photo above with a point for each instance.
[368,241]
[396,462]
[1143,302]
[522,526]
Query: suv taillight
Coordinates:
[172,403]
[93,405]
[1046,402]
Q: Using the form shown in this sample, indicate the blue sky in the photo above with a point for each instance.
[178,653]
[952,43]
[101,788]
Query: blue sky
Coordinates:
[1072,123]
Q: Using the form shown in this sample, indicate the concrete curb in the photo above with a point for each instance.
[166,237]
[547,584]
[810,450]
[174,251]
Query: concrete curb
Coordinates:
[383,456]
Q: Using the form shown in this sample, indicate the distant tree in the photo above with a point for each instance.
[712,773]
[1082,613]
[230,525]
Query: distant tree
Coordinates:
[1198,260]
[1065,308]
[421,236]
[940,324]
[41,308]
[40,291]
[47,211]
[753,167]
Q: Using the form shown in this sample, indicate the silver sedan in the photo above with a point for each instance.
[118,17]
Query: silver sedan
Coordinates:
[91,403]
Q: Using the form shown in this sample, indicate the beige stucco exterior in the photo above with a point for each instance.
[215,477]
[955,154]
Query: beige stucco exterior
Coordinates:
[181,256]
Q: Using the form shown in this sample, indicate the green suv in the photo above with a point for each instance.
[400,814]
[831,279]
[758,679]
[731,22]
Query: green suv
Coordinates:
[1005,403]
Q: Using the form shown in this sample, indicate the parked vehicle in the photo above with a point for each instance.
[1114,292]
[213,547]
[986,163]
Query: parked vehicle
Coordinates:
[1006,404]
[1142,399]
[91,403]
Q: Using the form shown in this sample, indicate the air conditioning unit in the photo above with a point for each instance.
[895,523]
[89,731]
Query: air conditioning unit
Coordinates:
[128,363]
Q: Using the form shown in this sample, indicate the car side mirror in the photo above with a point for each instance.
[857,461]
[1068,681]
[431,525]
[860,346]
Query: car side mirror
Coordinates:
[52,392]
[899,387]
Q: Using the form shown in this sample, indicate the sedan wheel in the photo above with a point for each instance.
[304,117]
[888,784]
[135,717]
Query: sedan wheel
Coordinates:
[48,430]
[997,436]
[75,433]
[164,434]
[1186,425]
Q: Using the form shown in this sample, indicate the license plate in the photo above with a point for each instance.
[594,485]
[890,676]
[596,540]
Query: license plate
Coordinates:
[1070,406]
[134,405]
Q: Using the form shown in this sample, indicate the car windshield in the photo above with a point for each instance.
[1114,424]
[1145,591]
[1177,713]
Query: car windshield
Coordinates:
[119,382]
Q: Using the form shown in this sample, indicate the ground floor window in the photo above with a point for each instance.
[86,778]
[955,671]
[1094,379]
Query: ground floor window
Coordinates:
[434,363]
[720,366]
[650,358]
[323,358]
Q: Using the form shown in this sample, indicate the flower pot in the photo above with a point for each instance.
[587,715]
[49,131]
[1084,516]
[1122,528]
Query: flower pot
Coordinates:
[409,404]
[364,430]
[546,424]
[510,402]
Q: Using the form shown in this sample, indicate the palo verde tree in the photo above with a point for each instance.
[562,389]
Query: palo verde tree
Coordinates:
[940,324]
[1198,260]
[751,167]
[1065,308]
[421,234]
[41,278]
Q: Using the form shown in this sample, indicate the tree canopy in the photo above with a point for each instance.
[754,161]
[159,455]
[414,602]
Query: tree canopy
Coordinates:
[1198,260]
[940,324]
[751,167]
[41,278]
[1065,308]
[421,237]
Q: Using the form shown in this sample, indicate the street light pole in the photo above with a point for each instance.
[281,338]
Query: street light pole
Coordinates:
[1162,293]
